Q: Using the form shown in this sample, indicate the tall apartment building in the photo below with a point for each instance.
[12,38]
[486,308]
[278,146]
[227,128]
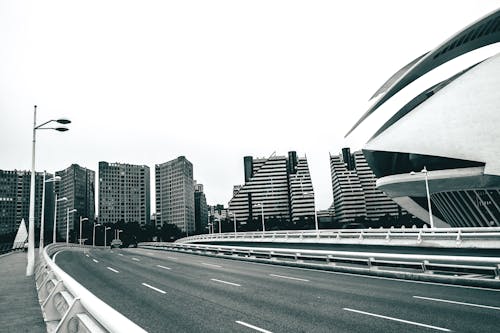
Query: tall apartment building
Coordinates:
[124,193]
[200,209]
[78,186]
[175,194]
[354,189]
[15,200]
[280,186]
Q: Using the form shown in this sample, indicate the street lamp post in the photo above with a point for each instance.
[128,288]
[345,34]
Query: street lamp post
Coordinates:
[118,233]
[220,230]
[55,218]
[93,234]
[261,205]
[316,226]
[234,222]
[105,233]
[30,267]
[67,223]
[42,215]
[81,220]
[424,171]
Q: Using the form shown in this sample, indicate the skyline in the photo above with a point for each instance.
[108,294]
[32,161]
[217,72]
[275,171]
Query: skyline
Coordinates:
[212,82]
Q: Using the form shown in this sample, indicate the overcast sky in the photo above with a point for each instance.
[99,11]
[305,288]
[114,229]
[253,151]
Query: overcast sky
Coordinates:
[147,81]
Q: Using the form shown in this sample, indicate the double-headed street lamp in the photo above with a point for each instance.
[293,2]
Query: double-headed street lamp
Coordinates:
[105,233]
[67,223]
[30,267]
[261,205]
[55,218]
[93,234]
[42,215]
[81,220]
[424,171]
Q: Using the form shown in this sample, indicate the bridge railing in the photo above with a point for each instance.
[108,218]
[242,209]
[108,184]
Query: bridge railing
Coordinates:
[487,267]
[70,307]
[458,237]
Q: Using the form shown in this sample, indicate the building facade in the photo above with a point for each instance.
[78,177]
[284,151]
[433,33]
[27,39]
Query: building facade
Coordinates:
[355,195]
[278,187]
[441,135]
[124,193]
[77,185]
[175,194]
[200,210]
[15,200]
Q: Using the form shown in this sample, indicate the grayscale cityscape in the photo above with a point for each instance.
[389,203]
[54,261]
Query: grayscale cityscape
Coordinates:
[231,166]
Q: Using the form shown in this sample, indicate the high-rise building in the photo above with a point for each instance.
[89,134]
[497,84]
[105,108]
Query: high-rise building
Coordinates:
[78,186]
[354,189]
[278,187]
[15,200]
[124,193]
[200,209]
[175,194]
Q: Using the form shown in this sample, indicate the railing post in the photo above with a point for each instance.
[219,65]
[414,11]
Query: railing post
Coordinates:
[497,272]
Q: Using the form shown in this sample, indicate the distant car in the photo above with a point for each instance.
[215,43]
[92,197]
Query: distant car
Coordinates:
[116,243]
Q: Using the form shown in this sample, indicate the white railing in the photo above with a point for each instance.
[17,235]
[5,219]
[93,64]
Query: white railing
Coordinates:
[487,267]
[437,237]
[68,306]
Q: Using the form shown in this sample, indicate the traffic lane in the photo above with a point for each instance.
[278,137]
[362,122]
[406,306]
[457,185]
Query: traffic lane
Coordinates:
[390,296]
[154,311]
[369,302]
[348,280]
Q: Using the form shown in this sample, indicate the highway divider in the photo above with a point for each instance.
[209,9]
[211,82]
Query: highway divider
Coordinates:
[485,237]
[461,270]
[67,306]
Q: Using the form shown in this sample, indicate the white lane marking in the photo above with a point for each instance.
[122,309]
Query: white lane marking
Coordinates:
[96,261]
[154,288]
[112,251]
[288,277]
[374,277]
[164,267]
[460,303]
[87,256]
[135,259]
[120,254]
[172,258]
[399,320]
[253,327]
[112,269]
[150,253]
[230,283]
[211,265]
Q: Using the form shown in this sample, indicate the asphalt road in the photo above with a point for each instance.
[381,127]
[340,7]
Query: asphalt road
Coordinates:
[176,292]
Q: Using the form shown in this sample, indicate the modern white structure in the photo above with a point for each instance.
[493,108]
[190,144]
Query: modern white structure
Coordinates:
[445,118]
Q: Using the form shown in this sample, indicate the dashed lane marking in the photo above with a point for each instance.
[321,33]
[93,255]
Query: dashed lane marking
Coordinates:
[399,320]
[154,288]
[226,282]
[164,267]
[252,327]
[112,269]
[459,303]
[288,277]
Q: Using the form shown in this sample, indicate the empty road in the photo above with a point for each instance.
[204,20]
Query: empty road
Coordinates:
[175,292]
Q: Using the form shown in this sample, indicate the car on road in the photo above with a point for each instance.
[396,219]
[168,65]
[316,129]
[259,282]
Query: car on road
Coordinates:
[116,243]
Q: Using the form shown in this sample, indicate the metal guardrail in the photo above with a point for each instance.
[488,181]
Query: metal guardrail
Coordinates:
[454,237]
[68,306]
[488,267]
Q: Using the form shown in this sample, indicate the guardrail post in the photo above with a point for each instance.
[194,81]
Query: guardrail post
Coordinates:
[419,238]
[497,272]
[361,235]
[424,266]
[388,236]
[370,263]
[459,236]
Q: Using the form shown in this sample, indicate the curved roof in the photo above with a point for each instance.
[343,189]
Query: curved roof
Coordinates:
[483,32]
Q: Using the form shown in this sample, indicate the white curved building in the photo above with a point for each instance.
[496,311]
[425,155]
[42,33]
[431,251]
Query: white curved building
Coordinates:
[448,124]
